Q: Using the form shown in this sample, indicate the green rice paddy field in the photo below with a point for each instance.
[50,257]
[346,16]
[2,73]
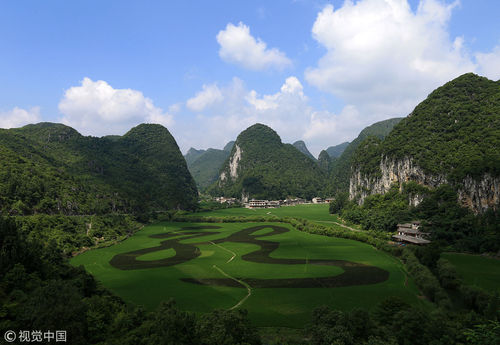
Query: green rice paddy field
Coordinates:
[316,212]
[477,270]
[276,272]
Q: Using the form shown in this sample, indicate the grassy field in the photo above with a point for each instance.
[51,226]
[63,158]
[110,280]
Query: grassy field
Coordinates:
[316,212]
[477,270]
[204,269]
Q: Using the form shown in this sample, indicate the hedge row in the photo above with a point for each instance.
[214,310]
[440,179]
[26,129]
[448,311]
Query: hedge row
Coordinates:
[425,280]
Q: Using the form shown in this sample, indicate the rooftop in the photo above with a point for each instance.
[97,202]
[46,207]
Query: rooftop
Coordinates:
[411,239]
[412,231]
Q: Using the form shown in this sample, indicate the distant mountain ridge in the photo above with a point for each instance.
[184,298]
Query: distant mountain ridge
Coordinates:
[193,154]
[337,150]
[206,164]
[229,146]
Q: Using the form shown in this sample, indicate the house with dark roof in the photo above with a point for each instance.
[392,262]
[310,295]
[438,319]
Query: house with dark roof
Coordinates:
[410,233]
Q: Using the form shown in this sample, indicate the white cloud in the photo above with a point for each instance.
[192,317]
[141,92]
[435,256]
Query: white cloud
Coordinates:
[383,57]
[329,129]
[489,63]
[287,111]
[238,46]
[18,117]
[291,90]
[175,108]
[96,108]
[206,97]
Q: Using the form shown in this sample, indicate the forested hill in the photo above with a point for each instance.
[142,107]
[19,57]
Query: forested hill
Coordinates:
[206,165]
[261,166]
[301,146]
[340,169]
[193,154]
[337,150]
[50,168]
[455,131]
[451,137]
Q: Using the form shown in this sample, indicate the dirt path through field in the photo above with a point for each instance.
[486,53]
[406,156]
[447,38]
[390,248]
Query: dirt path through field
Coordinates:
[227,250]
[249,289]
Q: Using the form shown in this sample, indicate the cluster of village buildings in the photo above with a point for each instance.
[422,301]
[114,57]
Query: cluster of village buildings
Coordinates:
[253,203]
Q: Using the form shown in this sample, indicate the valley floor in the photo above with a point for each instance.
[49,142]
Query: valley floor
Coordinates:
[279,278]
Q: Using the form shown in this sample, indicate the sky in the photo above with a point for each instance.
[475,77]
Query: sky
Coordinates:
[318,71]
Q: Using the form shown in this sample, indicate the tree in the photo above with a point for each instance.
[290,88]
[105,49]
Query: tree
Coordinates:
[484,334]
[223,327]
[339,202]
[56,305]
[448,276]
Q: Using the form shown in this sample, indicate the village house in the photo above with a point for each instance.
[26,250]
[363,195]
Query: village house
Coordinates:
[317,200]
[223,200]
[263,204]
[293,202]
[298,201]
[410,233]
[274,203]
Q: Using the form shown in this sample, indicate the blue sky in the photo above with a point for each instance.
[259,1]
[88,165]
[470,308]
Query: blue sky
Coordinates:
[314,70]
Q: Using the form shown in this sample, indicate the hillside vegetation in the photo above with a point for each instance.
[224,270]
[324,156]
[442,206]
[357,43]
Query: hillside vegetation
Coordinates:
[52,169]
[205,166]
[261,166]
[454,132]
[451,137]
[193,154]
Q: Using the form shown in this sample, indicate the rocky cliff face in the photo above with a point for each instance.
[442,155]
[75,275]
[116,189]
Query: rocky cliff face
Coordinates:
[477,194]
[480,195]
[234,161]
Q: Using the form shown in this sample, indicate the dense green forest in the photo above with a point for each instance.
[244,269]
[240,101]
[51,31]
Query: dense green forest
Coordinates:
[454,132]
[86,191]
[52,169]
[326,162]
[204,165]
[269,169]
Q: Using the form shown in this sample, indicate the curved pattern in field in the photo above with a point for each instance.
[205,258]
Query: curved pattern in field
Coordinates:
[354,273]
[183,252]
